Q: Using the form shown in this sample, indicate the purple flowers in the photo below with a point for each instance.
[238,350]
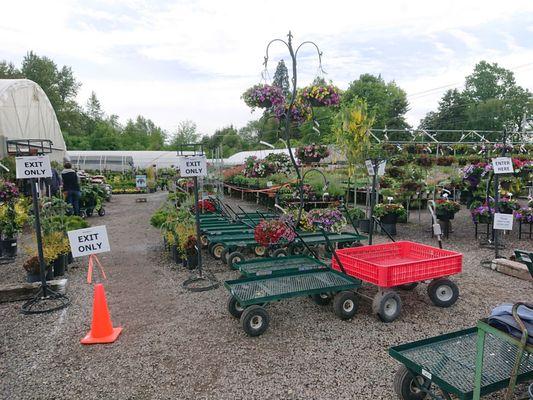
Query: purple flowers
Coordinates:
[8,192]
[263,96]
[525,215]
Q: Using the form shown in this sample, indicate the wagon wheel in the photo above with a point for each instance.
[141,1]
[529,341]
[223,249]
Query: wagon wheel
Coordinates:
[297,249]
[101,212]
[345,304]
[345,245]
[255,320]
[217,250]
[443,292]
[408,386]
[279,253]
[322,299]
[235,257]
[260,251]
[387,305]
[234,308]
[204,241]
[224,255]
[89,212]
[83,214]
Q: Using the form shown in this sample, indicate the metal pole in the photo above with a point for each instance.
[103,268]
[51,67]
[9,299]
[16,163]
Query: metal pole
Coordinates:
[197,217]
[38,234]
[372,202]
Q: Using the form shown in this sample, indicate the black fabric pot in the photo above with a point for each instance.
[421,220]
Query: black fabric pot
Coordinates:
[37,277]
[175,253]
[389,219]
[9,247]
[390,228]
[60,265]
[70,259]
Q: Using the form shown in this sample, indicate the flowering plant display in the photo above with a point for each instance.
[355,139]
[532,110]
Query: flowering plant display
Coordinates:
[263,96]
[506,205]
[206,206]
[481,213]
[321,95]
[8,192]
[13,216]
[331,220]
[270,232]
[312,152]
[524,215]
[271,164]
[299,113]
[308,192]
[447,206]
[382,209]
[473,173]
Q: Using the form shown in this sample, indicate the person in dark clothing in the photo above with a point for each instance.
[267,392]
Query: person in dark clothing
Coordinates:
[53,184]
[71,187]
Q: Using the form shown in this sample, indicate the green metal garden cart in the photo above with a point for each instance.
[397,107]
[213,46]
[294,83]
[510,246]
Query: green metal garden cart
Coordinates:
[467,364]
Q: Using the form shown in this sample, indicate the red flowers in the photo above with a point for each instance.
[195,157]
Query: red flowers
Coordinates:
[269,232]
[206,206]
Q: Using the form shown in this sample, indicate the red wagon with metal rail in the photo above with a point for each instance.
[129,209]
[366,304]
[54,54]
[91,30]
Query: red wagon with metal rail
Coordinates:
[402,265]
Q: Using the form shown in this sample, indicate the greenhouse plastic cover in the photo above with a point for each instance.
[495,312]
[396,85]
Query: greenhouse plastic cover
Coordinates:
[103,159]
[26,113]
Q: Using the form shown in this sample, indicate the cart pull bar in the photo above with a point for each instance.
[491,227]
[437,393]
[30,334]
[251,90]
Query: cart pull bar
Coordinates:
[330,247]
[383,229]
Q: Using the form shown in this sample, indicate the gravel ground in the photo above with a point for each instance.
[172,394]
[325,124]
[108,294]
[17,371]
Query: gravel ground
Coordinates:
[177,344]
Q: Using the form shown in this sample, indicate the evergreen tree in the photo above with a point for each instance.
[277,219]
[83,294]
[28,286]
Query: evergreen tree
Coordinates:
[281,78]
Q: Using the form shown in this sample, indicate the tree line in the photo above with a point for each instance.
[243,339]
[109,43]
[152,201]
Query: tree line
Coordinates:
[491,100]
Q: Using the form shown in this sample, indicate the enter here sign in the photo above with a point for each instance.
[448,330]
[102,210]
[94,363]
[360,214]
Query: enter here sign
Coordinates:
[84,242]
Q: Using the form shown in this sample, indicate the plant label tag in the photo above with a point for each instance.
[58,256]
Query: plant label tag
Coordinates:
[503,165]
[381,168]
[192,166]
[503,222]
[140,181]
[33,167]
[84,242]
[369,167]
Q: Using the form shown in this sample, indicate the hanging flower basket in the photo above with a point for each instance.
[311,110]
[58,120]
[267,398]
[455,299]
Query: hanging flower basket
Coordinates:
[321,95]
[446,209]
[263,96]
[299,112]
[271,232]
[312,153]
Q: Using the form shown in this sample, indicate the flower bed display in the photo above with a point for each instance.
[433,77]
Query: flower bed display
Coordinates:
[270,232]
[263,96]
[312,152]
[331,220]
[321,95]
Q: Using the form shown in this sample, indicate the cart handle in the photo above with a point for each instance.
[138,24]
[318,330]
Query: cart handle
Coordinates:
[301,239]
[519,320]
[330,247]
[383,229]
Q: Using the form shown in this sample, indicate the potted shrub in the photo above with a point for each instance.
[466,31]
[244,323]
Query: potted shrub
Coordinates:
[31,265]
[56,248]
[445,160]
[312,153]
[357,215]
[389,214]
[446,209]
[190,249]
[13,216]
[425,161]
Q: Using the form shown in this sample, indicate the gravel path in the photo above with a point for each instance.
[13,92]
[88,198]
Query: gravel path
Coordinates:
[182,345]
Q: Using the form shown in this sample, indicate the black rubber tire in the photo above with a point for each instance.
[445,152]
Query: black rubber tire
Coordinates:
[234,258]
[224,256]
[101,212]
[217,250]
[443,292]
[83,214]
[89,212]
[234,308]
[408,286]
[321,299]
[279,253]
[387,305]
[345,245]
[255,320]
[345,304]
[298,249]
[204,241]
[405,386]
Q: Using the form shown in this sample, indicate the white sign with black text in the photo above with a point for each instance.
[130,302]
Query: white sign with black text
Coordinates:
[140,181]
[502,165]
[33,167]
[84,242]
[192,166]
[370,167]
[503,222]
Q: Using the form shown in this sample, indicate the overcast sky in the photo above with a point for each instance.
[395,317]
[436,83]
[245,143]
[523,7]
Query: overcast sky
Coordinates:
[177,60]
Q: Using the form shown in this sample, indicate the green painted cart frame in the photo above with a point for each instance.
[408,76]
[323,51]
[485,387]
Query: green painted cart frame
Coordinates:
[250,295]
[467,364]
[278,265]
[525,257]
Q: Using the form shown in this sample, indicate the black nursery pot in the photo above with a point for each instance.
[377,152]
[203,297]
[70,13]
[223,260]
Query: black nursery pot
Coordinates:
[192,261]
[60,265]
[364,225]
[389,219]
[390,228]
[30,278]
[9,247]
[175,254]
[445,215]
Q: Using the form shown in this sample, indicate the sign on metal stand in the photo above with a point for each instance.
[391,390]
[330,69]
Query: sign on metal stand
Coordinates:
[193,166]
[46,300]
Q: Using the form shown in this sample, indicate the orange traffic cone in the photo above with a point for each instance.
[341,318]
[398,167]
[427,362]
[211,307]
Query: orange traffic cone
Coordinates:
[102,330]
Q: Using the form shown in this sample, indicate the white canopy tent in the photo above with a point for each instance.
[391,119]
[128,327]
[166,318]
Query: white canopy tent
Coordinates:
[26,113]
